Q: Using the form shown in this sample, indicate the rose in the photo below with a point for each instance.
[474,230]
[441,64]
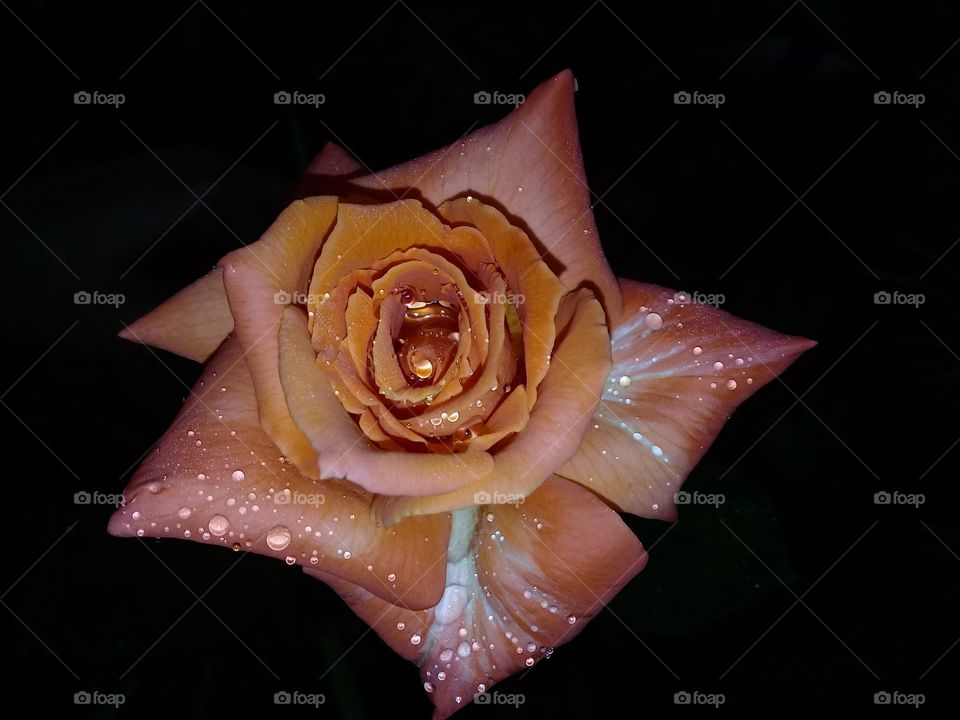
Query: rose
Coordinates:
[370,350]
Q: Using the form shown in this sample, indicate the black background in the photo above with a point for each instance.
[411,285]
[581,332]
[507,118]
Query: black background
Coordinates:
[710,207]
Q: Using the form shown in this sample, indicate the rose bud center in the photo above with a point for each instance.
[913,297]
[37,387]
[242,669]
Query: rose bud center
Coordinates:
[427,340]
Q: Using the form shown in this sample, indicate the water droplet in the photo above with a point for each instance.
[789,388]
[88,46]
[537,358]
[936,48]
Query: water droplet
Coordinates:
[401,625]
[415,639]
[238,475]
[531,646]
[218,525]
[392,577]
[731,384]
[428,686]
[697,350]
[657,450]
[463,649]
[136,515]
[571,619]
[718,365]
[278,537]
[446,655]
[530,662]
[201,477]
[289,559]
[184,512]
[624,381]
[654,321]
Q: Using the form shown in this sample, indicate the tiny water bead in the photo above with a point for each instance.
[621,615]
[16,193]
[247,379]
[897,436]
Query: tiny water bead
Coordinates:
[415,640]
[238,475]
[184,512]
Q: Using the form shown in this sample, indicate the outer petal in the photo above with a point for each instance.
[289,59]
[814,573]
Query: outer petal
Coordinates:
[527,580]
[343,450]
[216,477]
[530,165]
[258,279]
[568,397]
[192,323]
[680,369]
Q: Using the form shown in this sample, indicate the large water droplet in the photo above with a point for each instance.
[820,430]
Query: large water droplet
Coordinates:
[218,525]
[278,537]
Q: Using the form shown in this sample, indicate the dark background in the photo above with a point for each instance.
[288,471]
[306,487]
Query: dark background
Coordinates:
[710,207]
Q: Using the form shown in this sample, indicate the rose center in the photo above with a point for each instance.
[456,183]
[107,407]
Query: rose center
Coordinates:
[427,340]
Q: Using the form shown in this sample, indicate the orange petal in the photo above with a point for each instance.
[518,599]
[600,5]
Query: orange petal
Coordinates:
[535,288]
[259,279]
[343,450]
[530,166]
[568,397]
[521,581]
[216,477]
[680,369]
[192,323]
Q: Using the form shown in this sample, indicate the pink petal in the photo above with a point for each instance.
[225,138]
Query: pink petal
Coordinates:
[679,370]
[527,580]
[192,323]
[530,166]
[216,477]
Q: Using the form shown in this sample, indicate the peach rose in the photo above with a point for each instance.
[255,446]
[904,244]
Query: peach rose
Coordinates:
[427,388]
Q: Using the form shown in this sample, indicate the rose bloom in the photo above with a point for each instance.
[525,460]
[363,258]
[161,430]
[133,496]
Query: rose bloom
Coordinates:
[427,387]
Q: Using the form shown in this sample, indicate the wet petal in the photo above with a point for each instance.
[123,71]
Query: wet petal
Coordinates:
[216,477]
[529,164]
[343,450]
[259,280]
[568,397]
[521,580]
[680,369]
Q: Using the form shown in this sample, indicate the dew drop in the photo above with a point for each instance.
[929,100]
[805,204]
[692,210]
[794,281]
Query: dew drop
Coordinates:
[654,321]
[184,512]
[415,640]
[238,475]
[624,381]
[697,350]
[731,384]
[218,525]
[278,537]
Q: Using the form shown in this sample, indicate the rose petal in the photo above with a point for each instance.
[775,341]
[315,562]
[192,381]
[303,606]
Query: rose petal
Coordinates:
[530,165]
[198,485]
[666,400]
[536,289]
[568,398]
[259,279]
[527,580]
[342,448]
[192,323]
